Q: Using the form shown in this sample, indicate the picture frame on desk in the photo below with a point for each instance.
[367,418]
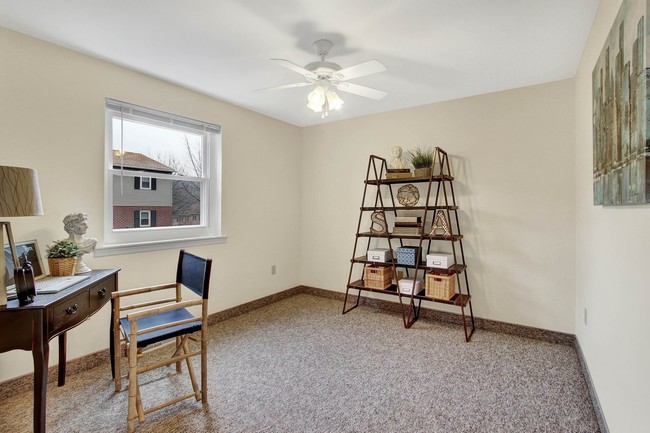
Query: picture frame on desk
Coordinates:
[33,255]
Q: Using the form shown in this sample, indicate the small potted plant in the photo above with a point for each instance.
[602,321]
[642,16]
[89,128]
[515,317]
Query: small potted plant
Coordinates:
[62,257]
[422,160]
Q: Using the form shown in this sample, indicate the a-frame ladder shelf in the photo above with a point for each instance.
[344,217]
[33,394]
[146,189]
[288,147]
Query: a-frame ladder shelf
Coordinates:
[379,197]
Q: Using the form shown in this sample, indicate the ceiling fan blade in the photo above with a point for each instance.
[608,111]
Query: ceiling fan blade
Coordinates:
[296,68]
[360,70]
[362,91]
[286,86]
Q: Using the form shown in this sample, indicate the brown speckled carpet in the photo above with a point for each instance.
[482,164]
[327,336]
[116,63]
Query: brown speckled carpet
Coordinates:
[299,365]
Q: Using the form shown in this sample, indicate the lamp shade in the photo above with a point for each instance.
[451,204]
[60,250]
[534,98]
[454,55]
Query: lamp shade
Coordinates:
[19,192]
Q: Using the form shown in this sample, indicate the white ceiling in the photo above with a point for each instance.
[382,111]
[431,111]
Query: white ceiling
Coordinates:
[434,50]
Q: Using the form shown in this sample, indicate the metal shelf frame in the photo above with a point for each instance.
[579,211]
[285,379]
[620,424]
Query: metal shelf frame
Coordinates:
[440,188]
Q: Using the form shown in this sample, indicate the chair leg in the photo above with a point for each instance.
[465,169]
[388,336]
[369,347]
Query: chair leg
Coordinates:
[179,348]
[138,403]
[204,365]
[133,378]
[117,347]
[179,342]
[117,365]
[190,369]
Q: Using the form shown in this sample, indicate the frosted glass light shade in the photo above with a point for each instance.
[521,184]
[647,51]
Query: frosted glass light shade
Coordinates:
[334,100]
[316,99]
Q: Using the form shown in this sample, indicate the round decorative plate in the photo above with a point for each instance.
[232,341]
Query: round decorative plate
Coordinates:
[408,195]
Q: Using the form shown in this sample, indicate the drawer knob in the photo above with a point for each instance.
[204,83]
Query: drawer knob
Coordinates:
[102,292]
[72,309]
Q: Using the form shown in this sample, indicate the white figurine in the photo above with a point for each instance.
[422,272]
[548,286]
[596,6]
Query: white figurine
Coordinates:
[397,162]
[76,225]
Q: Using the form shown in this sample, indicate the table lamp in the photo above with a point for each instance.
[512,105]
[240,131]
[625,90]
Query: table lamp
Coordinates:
[19,196]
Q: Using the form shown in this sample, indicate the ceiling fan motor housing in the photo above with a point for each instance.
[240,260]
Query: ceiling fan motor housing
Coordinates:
[323,69]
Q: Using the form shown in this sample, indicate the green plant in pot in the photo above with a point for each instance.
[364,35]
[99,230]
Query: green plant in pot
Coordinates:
[62,257]
[422,160]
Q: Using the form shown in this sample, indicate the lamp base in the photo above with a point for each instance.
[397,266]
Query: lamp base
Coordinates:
[12,247]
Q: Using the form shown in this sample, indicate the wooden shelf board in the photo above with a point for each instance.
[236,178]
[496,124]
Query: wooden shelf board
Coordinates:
[425,237]
[460,300]
[437,178]
[454,269]
[411,208]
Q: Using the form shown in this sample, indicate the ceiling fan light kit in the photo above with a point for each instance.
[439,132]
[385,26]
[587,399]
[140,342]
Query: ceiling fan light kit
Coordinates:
[327,77]
[323,100]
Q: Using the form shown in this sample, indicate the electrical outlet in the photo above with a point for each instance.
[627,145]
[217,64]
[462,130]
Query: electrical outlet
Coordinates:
[272,269]
[585,316]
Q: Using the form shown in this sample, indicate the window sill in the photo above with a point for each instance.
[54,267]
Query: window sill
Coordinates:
[140,247]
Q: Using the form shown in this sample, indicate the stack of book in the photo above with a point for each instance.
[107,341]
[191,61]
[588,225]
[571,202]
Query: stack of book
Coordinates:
[398,173]
[408,225]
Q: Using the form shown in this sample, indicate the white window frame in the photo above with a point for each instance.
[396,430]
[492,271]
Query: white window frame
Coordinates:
[147,217]
[142,181]
[123,241]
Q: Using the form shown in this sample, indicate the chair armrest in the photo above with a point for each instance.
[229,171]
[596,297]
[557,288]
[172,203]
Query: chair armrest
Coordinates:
[132,317]
[166,325]
[139,290]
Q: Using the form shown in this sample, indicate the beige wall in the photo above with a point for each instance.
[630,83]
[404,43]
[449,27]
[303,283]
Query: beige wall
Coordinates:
[513,159]
[52,119]
[611,268]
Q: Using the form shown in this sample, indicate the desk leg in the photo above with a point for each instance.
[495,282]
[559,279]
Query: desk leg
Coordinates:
[62,356]
[41,353]
[111,344]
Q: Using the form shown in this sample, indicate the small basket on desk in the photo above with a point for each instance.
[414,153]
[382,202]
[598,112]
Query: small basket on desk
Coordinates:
[62,267]
[377,277]
[440,286]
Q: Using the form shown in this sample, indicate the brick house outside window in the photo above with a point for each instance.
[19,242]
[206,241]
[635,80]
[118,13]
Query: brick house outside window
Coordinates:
[140,199]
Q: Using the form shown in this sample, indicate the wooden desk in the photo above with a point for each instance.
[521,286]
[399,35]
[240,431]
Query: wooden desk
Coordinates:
[31,327]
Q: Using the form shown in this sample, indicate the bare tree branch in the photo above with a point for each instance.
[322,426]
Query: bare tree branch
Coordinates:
[186,195]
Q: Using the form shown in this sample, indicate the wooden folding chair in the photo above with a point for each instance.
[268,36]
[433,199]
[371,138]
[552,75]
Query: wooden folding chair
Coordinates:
[155,321]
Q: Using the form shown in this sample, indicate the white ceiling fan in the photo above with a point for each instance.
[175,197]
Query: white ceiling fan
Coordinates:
[327,76]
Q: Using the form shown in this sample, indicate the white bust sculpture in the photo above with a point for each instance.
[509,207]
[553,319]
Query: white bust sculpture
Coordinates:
[397,161]
[76,225]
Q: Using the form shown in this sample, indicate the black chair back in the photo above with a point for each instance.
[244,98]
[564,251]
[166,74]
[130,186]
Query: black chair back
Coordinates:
[194,273]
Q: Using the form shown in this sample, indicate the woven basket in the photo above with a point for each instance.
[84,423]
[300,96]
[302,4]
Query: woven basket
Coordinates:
[441,286]
[62,267]
[422,173]
[377,277]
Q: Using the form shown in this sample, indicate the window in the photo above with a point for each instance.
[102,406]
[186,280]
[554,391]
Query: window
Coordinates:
[145,182]
[144,218]
[162,180]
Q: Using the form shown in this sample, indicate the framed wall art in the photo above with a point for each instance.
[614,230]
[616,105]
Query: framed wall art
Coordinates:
[621,154]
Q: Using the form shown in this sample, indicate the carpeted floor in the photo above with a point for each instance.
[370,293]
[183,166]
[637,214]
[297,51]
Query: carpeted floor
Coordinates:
[299,365]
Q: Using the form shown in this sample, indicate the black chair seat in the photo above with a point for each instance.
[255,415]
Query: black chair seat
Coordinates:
[161,319]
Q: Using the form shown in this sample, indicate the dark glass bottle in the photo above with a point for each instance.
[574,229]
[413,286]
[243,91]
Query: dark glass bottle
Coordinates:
[24,277]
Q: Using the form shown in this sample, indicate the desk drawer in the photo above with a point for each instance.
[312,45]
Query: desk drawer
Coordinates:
[101,294]
[70,312]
